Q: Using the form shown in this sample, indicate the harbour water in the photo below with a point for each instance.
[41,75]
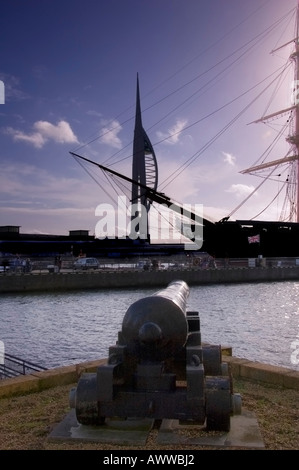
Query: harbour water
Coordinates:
[260,321]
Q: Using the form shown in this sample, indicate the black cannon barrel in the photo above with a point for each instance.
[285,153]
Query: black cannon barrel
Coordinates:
[157,350]
[155,327]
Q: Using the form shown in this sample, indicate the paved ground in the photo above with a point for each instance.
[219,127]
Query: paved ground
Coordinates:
[244,433]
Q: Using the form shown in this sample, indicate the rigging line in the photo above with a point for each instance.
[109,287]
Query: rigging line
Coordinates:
[199,152]
[95,180]
[272,145]
[164,217]
[101,135]
[271,202]
[122,188]
[110,182]
[107,131]
[252,192]
[170,112]
[114,180]
[129,119]
[173,225]
[269,149]
[122,159]
[291,194]
[216,43]
[291,20]
[274,126]
[105,162]
[219,109]
[217,76]
[203,118]
[283,170]
[186,84]
[261,37]
[275,180]
[118,182]
[207,85]
[278,84]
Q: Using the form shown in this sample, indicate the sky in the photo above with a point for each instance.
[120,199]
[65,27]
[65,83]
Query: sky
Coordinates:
[69,70]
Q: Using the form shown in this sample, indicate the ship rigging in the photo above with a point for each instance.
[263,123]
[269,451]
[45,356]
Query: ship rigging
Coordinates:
[290,161]
[226,237]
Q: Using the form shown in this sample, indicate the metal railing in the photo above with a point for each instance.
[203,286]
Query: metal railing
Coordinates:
[178,262]
[14,366]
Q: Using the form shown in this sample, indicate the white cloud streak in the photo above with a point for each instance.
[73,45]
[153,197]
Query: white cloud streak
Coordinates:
[44,131]
[109,135]
[173,135]
[240,190]
[229,158]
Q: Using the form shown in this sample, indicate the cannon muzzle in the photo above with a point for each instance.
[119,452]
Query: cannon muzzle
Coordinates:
[156,327]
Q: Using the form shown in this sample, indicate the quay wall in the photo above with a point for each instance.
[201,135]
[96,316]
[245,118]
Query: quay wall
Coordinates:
[30,282]
[240,368]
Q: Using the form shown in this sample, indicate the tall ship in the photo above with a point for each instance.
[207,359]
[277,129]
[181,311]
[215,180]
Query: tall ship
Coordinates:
[240,238]
[195,232]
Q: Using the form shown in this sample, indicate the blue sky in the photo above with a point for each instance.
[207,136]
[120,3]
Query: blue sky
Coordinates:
[69,70]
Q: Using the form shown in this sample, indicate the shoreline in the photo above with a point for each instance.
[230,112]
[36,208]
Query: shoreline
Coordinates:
[241,368]
[38,282]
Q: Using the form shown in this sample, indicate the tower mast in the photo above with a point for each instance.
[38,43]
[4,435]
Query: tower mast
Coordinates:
[144,173]
[138,162]
[138,173]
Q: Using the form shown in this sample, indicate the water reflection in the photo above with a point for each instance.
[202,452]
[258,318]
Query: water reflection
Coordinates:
[259,320]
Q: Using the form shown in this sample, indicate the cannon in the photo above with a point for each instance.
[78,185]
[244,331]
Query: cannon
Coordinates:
[159,369]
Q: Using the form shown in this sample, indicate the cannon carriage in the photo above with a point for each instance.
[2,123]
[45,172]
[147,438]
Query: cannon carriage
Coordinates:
[159,369]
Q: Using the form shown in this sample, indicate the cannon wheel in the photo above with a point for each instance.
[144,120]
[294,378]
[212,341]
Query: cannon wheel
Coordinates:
[86,403]
[218,404]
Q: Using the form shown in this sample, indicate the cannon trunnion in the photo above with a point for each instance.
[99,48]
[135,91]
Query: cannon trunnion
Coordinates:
[159,369]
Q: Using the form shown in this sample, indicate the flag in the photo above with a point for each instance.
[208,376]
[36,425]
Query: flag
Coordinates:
[254,239]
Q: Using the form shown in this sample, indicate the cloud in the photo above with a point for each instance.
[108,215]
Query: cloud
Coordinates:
[109,134]
[43,132]
[229,158]
[92,112]
[173,134]
[35,139]
[41,201]
[240,190]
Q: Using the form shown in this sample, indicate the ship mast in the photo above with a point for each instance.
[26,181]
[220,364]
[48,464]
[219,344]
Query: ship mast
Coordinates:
[296,57]
[293,139]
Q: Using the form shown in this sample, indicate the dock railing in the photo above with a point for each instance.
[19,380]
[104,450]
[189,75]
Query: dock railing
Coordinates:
[13,366]
[160,263]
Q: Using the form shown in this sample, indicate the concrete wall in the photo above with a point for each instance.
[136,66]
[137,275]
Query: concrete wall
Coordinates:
[241,368]
[118,278]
